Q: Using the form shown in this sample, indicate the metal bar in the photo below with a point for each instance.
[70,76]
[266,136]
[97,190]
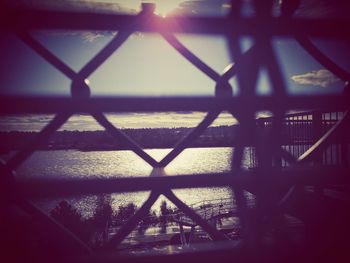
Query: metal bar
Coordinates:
[194,134]
[44,134]
[39,188]
[66,187]
[21,19]
[68,240]
[231,70]
[104,54]
[16,105]
[118,134]
[324,141]
[269,59]
[213,232]
[46,54]
[287,156]
[323,59]
[133,221]
[186,53]
[246,82]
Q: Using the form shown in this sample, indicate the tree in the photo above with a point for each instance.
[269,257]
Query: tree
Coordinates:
[164,216]
[103,213]
[102,220]
[149,219]
[69,217]
[125,212]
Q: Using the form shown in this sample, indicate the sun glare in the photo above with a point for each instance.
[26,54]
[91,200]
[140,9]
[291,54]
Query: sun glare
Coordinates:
[165,7]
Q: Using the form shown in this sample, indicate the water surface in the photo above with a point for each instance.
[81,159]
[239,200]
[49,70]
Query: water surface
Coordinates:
[109,164]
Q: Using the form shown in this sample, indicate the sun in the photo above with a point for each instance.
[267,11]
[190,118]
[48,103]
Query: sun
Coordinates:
[164,7]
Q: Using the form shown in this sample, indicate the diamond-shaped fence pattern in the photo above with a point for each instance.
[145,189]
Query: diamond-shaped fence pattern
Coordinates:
[246,67]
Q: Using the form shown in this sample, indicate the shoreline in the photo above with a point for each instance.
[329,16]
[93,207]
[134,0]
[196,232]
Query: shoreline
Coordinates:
[159,138]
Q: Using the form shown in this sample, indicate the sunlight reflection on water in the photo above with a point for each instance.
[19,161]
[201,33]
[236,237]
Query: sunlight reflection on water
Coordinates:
[72,163]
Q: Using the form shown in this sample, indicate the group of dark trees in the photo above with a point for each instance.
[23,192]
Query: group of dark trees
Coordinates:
[94,230]
[101,140]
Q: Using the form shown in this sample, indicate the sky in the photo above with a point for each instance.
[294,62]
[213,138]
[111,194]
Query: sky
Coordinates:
[84,122]
[145,65]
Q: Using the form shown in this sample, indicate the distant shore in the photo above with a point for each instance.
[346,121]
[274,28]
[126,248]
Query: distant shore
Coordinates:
[220,136]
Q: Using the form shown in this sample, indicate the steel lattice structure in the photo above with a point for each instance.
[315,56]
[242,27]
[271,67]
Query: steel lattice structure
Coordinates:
[245,66]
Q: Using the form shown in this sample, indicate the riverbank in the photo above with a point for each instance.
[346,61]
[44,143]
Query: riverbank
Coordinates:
[220,136]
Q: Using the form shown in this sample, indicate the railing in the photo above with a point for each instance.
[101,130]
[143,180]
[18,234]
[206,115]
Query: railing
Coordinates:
[269,148]
[209,209]
[301,130]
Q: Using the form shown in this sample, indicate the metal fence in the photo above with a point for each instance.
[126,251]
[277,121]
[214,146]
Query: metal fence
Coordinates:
[262,27]
[299,131]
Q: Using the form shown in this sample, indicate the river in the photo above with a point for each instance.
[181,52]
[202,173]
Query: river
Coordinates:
[108,164]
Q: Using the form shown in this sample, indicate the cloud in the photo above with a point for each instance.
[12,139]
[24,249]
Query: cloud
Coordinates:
[203,7]
[78,6]
[91,36]
[185,7]
[321,77]
[71,5]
